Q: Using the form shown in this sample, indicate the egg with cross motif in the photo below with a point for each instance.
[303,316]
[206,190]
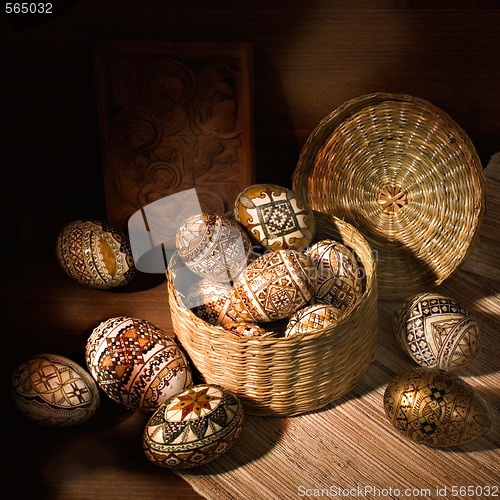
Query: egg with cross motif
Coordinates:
[436,408]
[54,391]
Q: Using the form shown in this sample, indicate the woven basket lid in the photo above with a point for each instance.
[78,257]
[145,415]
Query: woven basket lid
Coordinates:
[407,176]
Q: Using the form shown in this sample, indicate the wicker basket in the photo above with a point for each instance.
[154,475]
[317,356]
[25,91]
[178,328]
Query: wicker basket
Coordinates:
[286,376]
[407,176]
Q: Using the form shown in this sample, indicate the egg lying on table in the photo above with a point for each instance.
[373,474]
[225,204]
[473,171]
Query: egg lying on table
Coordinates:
[313,318]
[95,254]
[274,286]
[210,301]
[195,427]
[213,246]
[135,363]
[55,391]
[437,331]
[275,217]
[436,408]
[339,276]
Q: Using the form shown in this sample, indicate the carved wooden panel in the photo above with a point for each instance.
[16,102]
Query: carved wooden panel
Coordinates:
[173,116]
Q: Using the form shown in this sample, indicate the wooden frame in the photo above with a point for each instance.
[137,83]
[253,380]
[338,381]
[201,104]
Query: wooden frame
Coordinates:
[173,116]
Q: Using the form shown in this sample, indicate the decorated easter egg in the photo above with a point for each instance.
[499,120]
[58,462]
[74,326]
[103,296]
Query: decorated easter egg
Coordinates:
[313,318]
[274,286]
[195,427]
[275,217]
[339,275]
[135,363]
[55,391]
[95,254]
[245,329]
[435,407]
[213,246]
[210,301]
[436,331]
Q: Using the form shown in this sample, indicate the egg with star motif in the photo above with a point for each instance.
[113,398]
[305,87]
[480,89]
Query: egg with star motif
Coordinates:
[195,427]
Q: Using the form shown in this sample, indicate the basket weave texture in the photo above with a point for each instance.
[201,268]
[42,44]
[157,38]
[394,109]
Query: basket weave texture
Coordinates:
[407,176]
[282,376]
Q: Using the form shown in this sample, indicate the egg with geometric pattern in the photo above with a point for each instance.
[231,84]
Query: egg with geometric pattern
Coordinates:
[273,286]
[195,427]
[210,301]
[436,408]
[213,246]
[339,282]
[136,363]
[54,391]
[95,254]
[436,331]
[275,217]
[313,318]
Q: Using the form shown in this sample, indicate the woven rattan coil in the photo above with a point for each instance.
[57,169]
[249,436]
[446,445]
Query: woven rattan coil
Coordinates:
[407,176]
[286,376]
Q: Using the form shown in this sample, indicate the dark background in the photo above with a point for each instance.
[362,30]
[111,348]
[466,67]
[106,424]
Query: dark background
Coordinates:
[309,58]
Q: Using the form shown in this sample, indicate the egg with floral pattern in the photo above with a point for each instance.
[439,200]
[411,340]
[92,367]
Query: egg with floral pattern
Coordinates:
[195,427]
[136,363]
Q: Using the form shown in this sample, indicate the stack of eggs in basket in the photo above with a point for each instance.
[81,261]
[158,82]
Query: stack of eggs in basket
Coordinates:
[259,270]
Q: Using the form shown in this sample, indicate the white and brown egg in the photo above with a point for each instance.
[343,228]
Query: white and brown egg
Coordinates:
[436,331]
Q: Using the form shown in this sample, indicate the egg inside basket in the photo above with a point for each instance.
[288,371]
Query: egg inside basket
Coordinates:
[285,376]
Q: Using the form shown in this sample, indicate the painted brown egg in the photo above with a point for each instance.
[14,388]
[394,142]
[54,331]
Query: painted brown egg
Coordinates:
[437,331]
[436,408]
[275,217]
[195,427]
[55,391]
[135,363]
[213,246]
[339,275]
[246,329]
[274,286]
[313,318]
[95,254]
[210,301]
